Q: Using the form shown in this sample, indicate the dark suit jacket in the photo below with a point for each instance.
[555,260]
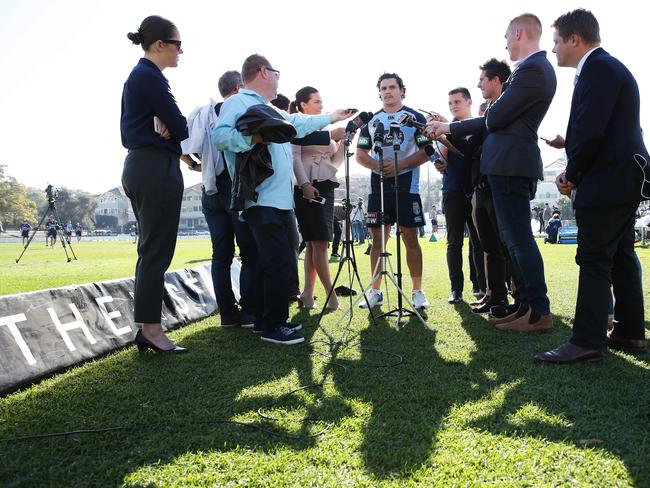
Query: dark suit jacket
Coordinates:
[510,147]
[604,134]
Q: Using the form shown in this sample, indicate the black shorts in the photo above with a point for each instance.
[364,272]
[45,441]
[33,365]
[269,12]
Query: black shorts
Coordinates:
[410,210]
[68,233]
[51,233]
[25,233]
[315,219]
[78,233]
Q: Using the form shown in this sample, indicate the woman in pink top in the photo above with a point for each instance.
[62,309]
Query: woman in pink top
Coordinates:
[315,170]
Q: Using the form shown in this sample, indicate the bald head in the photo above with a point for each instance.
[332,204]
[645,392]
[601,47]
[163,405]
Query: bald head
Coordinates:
[529,24]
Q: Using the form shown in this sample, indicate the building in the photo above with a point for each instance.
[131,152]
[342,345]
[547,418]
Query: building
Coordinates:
[192,217]
[547,191]
[115,203]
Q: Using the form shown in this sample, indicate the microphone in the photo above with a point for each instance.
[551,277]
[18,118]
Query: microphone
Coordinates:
[432,154]
[409,121]
[378,139]
[359,121]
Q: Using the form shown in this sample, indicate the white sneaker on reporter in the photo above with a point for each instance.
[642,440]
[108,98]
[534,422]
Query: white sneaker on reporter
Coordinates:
[419,299]
[374,298]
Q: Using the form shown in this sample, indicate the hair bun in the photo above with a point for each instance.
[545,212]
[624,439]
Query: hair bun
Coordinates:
[135,37]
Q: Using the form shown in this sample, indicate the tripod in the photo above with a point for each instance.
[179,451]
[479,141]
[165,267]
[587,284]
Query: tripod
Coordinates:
[51,209]
[348,255]
[380,267]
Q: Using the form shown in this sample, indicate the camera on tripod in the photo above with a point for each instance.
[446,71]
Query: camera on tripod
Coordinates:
[51,192]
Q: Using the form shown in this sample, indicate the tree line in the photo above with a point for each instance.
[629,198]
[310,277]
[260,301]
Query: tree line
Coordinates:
[18,203]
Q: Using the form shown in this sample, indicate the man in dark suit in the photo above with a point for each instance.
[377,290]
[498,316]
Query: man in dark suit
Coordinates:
[512,164]
[605,152]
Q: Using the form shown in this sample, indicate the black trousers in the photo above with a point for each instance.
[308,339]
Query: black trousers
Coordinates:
[495,257]
[336,227]
[458,212]
[153,182]
[606,257]
[270,228]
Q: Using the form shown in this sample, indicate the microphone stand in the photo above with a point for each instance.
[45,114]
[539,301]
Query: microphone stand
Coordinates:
[348,255]
[396,278]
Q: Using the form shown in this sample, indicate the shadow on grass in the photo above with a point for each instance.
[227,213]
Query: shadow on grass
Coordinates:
[175,402]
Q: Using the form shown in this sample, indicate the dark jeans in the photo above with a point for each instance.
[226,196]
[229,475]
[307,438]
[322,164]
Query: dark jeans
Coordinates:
[511,196]
[458,213]
[607,258]
[270,229]
[225,227]
[336,226]
[153,182]
[495,260]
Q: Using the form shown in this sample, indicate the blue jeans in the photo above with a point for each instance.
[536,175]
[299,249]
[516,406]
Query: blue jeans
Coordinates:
[358,231]
[225,227]
[511,196]
[269,227]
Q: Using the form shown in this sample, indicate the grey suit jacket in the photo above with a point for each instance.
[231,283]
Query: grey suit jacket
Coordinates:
[511,122]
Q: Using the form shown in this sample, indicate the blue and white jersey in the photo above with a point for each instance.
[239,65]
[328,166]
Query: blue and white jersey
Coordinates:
[410,142]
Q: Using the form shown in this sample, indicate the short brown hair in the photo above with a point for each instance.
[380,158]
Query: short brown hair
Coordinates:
[252,65]
[580,22]
[531,25]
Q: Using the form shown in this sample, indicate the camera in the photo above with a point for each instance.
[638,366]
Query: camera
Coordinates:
[51,193]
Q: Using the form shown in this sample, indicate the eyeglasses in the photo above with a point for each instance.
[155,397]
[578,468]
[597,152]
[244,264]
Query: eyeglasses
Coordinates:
[277,73]
[173,41]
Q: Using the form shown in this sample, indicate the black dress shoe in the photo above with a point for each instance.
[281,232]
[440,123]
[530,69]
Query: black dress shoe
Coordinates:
[487,306]
[455,297]
[634,346]
[500,311]
[143,344]
[569,353]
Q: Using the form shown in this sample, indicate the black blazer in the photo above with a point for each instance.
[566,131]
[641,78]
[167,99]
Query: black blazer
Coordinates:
[604,134]
[511,122]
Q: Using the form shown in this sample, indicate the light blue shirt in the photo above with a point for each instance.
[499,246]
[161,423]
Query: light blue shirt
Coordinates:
[277,190]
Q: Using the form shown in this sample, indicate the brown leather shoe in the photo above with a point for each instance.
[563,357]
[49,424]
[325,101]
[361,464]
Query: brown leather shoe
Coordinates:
[569,353]
[635,346]
[544,324]
[507,318]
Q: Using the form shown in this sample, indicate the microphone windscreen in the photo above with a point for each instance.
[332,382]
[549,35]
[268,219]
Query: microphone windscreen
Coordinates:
[365,117]
[429,150]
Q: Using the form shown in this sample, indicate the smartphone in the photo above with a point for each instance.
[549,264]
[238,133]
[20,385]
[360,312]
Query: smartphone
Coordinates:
[316,199]
[544,139]
[432,114]
[352,110]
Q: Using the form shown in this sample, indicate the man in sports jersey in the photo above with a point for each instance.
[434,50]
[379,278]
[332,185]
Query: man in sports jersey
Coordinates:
[410,156]
[24,231]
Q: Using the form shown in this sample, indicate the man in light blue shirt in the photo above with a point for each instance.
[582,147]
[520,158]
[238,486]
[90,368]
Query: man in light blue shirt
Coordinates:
[268,216]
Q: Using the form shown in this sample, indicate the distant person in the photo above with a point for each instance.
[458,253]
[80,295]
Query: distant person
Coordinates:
[52,226]
[433,216]
[553,228]
[69,229]
[546,215]
[152,129]
[78,230]
[358,222]
[24,231]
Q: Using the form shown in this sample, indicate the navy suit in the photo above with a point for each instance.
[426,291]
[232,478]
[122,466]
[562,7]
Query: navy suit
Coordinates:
[603,136]
[512,165]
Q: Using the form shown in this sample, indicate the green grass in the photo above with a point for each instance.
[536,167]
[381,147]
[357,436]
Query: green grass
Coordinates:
[466,407]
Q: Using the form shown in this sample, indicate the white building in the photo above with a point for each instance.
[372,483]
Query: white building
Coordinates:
[547,191]
[192,217]
[115,203]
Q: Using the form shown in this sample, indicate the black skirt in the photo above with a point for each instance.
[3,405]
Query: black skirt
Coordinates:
[315,219]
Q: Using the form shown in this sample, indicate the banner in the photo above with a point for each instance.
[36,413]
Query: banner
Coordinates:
[46,331]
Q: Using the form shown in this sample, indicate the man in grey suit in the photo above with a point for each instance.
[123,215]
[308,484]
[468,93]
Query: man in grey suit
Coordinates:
[512,163]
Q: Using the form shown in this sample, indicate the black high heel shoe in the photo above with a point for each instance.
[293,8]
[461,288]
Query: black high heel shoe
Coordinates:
[143,344]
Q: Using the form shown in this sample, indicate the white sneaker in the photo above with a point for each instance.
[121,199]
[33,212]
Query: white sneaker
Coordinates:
[374,298]
[419,300]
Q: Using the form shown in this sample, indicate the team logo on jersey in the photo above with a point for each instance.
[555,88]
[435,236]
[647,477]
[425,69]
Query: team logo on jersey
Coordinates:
[416,210]
[421,139]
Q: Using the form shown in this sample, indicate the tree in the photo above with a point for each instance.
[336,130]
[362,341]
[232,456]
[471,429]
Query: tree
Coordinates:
[565,207]
[76,206]
[15,205]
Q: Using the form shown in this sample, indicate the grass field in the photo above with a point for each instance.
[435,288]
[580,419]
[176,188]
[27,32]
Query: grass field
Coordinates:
[465,406]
